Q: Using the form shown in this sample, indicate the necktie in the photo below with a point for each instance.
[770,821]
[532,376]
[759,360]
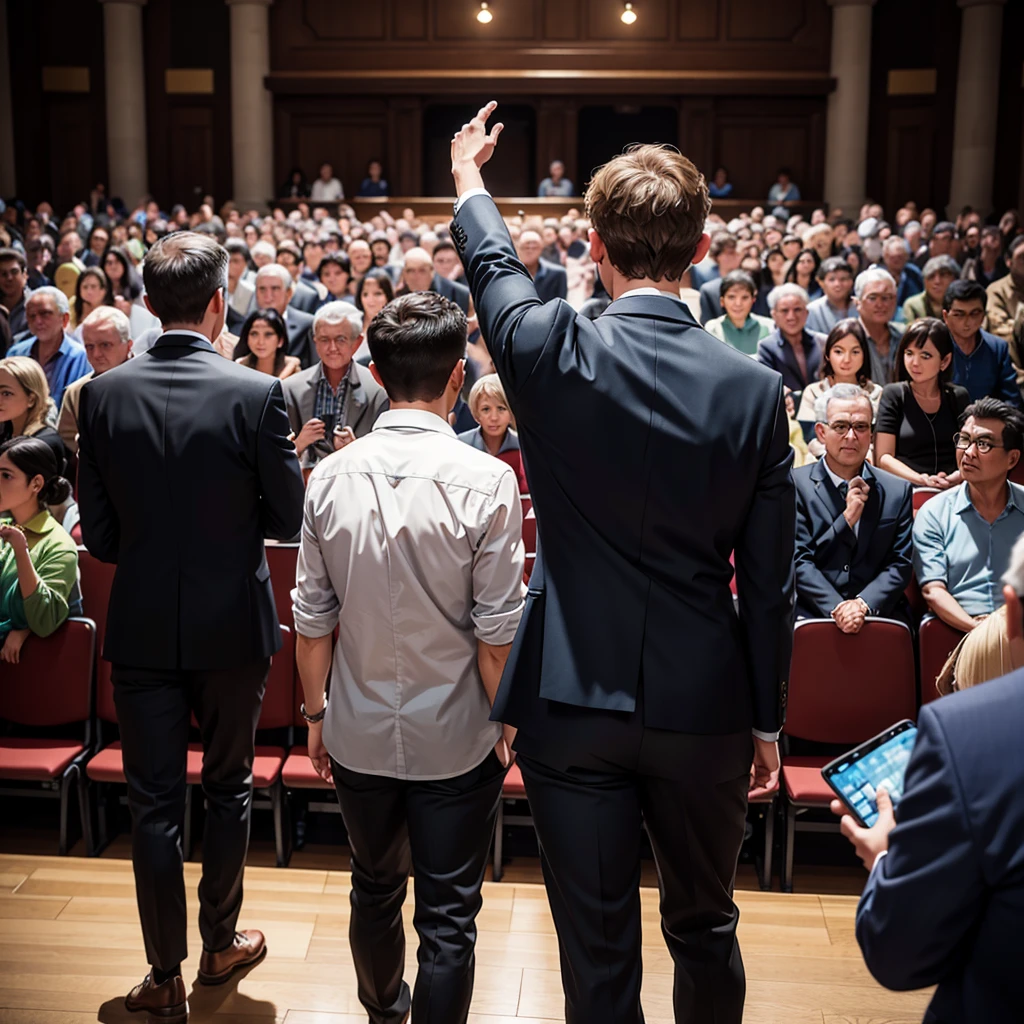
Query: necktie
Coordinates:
[843,488]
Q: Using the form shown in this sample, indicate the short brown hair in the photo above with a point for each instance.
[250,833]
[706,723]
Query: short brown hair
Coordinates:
[649,206]
[182,272]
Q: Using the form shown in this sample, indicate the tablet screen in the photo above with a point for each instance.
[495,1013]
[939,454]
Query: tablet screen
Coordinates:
[857,777]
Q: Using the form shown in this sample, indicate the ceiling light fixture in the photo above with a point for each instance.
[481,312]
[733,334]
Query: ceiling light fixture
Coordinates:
[484,15]
[628,15]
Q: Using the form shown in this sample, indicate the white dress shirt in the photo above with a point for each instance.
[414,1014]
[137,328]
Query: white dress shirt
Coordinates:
[412,545]
[326,191]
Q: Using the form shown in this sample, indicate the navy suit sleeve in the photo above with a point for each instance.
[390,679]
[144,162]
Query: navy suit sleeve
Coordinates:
[814,591]
[884,591]
[764,575]
[101,527]
[923,899]
[517,327]
[281,485]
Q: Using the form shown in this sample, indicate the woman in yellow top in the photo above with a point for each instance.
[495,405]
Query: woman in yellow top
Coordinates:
[38,560]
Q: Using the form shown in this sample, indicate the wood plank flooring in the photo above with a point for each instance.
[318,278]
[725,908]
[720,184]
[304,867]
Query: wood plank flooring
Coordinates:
[70,947]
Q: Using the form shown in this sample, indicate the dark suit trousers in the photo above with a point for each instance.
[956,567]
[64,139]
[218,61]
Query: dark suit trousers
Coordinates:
[440,830]
[153,711]
[592,779]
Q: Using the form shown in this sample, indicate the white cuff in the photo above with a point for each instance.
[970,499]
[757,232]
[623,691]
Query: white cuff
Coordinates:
[468,194]
[878,859]
[767,737]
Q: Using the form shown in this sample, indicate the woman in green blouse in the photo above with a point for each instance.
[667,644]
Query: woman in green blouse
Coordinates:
[38,560]
[739,326]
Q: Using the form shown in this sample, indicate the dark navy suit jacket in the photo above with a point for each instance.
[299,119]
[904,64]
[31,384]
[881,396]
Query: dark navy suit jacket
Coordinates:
[773,351]
[654,452]
[834,565]
[946,905]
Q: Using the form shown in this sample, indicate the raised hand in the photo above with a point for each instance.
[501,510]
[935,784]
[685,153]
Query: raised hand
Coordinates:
[472,143]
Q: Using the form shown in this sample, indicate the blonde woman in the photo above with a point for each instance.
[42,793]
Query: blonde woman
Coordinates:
[495,435]
[24,399]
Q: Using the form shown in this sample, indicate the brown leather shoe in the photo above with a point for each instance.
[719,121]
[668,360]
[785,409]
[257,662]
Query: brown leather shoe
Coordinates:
[167,1002]
[248,948]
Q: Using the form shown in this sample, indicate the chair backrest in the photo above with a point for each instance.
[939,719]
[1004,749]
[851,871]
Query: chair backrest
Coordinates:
[97,579]
[923,494]
[279,697]
[846,687]
[530,532]
[282,559]
[935,643]
[527,503]
[52,684]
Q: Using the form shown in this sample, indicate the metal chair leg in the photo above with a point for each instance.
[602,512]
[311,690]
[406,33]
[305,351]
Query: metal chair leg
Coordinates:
[277,803]
[769,845]
[85,813]
[65,786]
[499,832]
[787,875]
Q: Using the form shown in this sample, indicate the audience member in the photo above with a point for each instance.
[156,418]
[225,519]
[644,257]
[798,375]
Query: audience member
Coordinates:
[374,290]
[719,187]
[106,338]
[39,253]
[296,187]
[784,190]
[791,349]
[939,273]
[739,326]
[374,185]
[918,415]
[14,289]
[241,289]
[988,266]
[963,539]
[327,188]
[836,301]
[62,358]
[263,253]
[335,273]
[853,522]
[875,290]
[38,560]
[556,184]
[24,405]
[896,258]
[263,345]
[981,361]
[723,258]
[941,242]
[1006,295]
[274,291]
[548,278]
[495,434]
[96,246]
[360,257]
[304,296]
[820,238]
[419,275]
[124,279]
[337,400]
[447,263]
[92,290]
[803,271]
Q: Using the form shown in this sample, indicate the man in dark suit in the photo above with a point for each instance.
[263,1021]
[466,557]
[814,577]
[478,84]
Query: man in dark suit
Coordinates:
[653,454]
[791,349]
[944,902]
[418,275]
[549,279]
[854,523]
[274,290]
[184,468]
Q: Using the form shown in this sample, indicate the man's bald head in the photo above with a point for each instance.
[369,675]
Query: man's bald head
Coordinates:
[529,247]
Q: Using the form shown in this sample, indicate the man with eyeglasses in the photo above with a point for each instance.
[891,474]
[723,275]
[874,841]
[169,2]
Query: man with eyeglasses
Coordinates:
[853,522]
[981,361]
[963,538]
[875,290]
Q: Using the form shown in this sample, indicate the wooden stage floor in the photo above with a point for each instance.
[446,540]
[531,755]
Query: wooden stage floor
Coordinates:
[70,947]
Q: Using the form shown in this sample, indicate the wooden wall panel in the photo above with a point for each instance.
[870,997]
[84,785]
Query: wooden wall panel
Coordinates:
[757,21]
[603,21]
[456,20]
[409,19]
[561,20]
[190,172]
[697,19]
[910,155]
[329,19]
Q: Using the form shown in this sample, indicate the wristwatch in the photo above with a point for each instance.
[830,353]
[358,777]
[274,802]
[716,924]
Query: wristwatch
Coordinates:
[313,719]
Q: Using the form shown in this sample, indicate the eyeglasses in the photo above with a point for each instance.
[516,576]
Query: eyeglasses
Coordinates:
[842,427]
[983,444]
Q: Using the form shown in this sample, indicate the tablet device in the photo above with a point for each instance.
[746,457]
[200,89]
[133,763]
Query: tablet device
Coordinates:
[880,762]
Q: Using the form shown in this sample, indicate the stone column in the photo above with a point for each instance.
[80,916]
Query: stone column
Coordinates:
[846,146]
[127,144]
[252,127]
[977,101]
[8,179]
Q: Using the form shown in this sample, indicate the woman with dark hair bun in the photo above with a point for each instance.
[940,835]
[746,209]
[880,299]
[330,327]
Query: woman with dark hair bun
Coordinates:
[38,560]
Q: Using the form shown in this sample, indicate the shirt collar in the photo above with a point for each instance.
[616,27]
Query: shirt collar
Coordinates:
[40,524]
[412,419]
[649,291]
[836,480]
[350,374]
[962,500]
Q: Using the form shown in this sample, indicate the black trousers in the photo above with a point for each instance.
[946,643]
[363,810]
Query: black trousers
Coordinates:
[592,779]
[441,831]
[153,711]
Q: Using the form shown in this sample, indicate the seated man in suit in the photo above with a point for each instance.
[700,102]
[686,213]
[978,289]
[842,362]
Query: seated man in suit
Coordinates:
[305,296]
[944,902]
[791,349]
[337,400]
[418,275]
[853,522]
[274,289]
[548,278]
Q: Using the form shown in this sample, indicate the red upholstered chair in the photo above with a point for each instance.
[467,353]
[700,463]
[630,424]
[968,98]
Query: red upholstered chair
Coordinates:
[512,790]
[935,643]
[923,494]
[298,772]
[530,532]
[281,560]
[528,568]
[843,689]
[527,503]
[51,686]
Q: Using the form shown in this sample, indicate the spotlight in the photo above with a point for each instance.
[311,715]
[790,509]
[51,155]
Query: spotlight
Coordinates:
[485,17]
[628,14]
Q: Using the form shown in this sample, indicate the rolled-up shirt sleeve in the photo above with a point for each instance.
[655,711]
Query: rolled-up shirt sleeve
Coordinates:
[315,603]
[498,567]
